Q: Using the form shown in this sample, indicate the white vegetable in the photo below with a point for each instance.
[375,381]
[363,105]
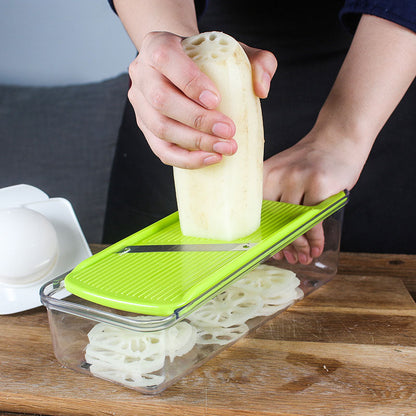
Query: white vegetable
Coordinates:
[127,342]
[233,306]
[135,354]
[139,364]
[223,201]
[126,377]
[132,358]
[181,339]
[268,281]
[220,335]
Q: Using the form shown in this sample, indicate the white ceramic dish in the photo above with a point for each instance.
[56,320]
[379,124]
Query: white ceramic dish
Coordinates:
[73,248]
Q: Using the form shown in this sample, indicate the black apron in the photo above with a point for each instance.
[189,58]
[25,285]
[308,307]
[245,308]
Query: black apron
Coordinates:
[310,45]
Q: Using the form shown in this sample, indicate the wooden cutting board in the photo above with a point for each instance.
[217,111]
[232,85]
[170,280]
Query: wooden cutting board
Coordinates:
[347,349]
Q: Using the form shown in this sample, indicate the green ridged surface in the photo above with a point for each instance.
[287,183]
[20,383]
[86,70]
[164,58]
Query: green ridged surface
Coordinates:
[161,283]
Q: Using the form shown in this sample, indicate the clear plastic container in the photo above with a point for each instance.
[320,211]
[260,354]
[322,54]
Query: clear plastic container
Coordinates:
[149,353]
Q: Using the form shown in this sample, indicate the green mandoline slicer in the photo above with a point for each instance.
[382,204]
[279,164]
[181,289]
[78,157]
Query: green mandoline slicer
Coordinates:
[158,271]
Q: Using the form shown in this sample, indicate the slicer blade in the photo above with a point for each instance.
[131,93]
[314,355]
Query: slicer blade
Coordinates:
[157,248]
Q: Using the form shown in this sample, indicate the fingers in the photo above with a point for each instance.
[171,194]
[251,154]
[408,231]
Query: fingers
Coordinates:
[165,103]
[316,235]
[173,155]
[264,65]
[299,250]
[305,248]
[163,96]
[174,102]
[294,188]
[179,129]
[310,245]
[164,53]
[316,239]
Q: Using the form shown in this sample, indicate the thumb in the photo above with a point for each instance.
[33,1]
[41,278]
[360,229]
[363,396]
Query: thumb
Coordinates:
[264,65]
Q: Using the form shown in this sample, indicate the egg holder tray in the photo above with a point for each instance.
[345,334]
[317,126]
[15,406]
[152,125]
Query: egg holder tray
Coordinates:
[72,245]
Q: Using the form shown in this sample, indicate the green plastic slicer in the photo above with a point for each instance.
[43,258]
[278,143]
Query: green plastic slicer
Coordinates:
[159,271]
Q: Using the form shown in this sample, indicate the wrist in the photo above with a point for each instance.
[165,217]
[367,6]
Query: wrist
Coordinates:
[143,17]
[335,140]
[338,125]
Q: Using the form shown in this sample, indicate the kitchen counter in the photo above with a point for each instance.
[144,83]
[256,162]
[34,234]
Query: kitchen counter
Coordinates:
[347,349]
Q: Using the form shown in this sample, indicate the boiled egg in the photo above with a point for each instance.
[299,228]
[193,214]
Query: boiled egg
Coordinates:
[28,246]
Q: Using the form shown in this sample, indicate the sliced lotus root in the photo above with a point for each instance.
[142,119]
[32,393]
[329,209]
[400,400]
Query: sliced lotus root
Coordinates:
[180,339]
[128,357]
[268,280]
[210,46]
[126,378]
[234,306]
[145,351]
[95,354]
[219,335]
[284,297]
[124,341]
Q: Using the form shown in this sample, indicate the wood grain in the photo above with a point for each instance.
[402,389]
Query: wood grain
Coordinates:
[398,265]
[347,349]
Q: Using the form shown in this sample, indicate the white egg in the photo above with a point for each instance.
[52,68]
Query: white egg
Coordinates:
[28,246]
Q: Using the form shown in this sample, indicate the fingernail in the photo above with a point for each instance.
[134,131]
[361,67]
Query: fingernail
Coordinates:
[290,257]
[210,160]
[278,256]
[209,99]
[225,147]
[315,252]
[303,258]
[222,129]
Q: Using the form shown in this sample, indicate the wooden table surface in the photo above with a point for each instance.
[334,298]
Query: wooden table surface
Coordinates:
[347,349]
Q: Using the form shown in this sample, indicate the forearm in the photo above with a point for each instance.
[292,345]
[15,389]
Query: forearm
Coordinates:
[377,71]
[140,17]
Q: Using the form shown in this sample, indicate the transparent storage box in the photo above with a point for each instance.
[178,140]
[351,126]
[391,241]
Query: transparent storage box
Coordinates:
[149,353]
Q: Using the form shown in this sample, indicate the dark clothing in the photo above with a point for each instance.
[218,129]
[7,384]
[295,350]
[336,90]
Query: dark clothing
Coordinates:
[402,12]
[310,43]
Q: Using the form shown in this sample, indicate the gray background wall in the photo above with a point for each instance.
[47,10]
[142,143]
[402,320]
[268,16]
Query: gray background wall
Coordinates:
[61,42]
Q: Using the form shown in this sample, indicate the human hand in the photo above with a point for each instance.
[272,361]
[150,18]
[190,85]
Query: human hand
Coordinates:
[175,102]
[318,166]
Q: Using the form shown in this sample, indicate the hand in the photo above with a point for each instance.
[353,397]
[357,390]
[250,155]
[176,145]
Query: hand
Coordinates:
[323,163]
[175,102]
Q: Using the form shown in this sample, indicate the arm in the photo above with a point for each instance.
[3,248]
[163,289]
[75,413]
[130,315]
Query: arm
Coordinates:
[377,71]
[141,17]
